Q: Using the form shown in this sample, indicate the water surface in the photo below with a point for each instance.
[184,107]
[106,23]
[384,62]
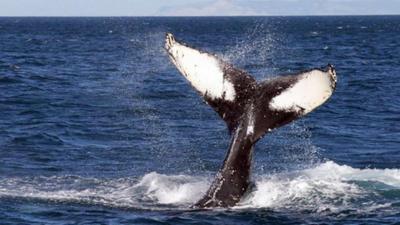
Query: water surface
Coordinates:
[98,127]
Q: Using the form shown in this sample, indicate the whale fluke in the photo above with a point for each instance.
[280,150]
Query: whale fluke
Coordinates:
[250,109]
[222,86]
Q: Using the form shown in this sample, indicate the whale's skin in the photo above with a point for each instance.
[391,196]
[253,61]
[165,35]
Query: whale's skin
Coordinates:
[250,109]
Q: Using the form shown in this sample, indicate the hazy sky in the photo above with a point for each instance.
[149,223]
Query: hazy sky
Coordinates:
[196,7]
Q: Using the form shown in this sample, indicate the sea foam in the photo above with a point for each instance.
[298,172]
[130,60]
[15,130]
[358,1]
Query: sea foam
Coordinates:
[328,187]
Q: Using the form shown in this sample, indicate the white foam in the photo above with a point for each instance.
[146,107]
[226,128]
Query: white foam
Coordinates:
[148,193]
[328,187]
[179,189]
[331,170]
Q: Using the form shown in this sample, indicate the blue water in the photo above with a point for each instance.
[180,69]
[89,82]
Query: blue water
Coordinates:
[98,127]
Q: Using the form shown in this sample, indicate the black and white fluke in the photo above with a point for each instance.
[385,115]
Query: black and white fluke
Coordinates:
[250,109]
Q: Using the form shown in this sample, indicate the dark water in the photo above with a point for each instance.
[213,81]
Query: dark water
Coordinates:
[97,127]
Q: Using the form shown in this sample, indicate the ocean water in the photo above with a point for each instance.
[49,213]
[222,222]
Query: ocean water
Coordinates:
[98,127]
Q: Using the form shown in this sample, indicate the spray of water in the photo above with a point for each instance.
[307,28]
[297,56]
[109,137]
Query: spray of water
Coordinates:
[328,188]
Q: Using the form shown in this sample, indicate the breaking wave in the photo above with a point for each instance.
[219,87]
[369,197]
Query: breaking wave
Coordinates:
[326,188]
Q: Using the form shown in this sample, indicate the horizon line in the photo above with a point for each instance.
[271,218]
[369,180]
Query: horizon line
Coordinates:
[182,16]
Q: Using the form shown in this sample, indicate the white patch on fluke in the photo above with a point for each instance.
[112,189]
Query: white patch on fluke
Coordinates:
[201,69]
[310,91]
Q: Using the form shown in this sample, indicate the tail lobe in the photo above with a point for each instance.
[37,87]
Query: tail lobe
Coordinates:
[250,110]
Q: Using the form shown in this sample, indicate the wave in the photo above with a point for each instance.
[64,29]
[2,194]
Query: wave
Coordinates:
[326,188]
[152,191]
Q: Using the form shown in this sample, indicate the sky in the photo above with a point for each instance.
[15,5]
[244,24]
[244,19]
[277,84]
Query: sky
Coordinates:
[197,7]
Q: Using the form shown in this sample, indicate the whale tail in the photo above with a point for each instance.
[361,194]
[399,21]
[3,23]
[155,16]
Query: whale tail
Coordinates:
[250,109]
[225,88]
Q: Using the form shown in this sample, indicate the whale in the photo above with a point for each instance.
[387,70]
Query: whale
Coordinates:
[249,108]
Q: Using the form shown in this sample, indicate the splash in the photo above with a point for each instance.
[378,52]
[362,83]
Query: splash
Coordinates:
[325,189]
[166,189]
[257,46]
[152,191]
[328,187]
